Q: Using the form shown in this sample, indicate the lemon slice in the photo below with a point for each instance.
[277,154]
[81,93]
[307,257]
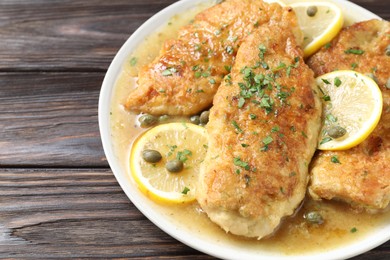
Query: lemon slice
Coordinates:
[352,107]
[181,141]
[320,28]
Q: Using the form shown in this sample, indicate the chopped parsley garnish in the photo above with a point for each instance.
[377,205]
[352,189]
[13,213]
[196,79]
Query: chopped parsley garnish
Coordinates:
[327,45]
[275,129]
[331,118]
[325,140]
[168,72]
[205,74]
[262,50]
[337,82]
[237,162]
[325,81]
[195,68]
[133,61]
[267,140]
[334,159]
[198,74]
[185,190]
[183,155]
[304,134]
[241,102]
[244,145]
[171,149]
[228,68]
[326,98]
[236,126]
[252,116]
[354,51]
[212,81]
[354,65]
[353,230]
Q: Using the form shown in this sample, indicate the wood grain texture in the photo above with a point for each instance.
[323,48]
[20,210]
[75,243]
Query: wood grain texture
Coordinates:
[58,197]
[50,120]
[68,35]
[48,213]
[79,35]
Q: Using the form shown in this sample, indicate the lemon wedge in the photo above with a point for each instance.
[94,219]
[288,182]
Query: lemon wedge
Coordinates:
[352,107]
[320,22]
[184,142]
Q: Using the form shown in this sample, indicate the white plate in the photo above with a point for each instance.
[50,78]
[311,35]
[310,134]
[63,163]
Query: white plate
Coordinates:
[197,240]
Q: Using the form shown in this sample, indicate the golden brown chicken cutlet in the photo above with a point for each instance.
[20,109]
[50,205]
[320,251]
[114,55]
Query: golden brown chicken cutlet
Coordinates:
[263,132]
[362,176]
[185,76]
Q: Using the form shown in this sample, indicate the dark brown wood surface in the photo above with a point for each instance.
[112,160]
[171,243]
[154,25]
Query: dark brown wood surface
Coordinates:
[58,196]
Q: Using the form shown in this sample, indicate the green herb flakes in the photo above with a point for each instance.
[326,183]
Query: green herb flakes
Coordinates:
[185,190]
[325,81]
[241,102]
[133,61]
[267,140]
[354,51]
[325,140]
[168,72]
[183,155]
[236,126]
[337,82]
[237,162]
[334,159]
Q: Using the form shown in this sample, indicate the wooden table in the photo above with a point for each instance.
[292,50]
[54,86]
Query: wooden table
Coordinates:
[58,196]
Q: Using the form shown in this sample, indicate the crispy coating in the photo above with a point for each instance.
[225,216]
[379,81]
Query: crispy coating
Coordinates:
[256,168]
[185,76]
[362,178]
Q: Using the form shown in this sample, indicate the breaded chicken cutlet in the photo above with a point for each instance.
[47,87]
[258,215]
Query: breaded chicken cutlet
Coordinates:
[362,178]
[185,76]
[263,131]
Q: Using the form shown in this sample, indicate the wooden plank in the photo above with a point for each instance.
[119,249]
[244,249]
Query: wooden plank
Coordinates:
[47,213]
[71,34]
[78,35]
[50,120]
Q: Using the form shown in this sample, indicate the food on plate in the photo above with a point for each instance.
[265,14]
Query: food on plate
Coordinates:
[319,21]
[183,79]
[165,161]
[167,172]
[352,107]
[360,175]
[263,130]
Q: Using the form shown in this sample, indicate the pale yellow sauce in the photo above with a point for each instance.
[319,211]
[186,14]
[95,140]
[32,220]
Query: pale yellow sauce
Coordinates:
[294,236]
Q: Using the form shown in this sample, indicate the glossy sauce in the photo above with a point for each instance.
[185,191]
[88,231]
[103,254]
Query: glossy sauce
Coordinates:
[295,236]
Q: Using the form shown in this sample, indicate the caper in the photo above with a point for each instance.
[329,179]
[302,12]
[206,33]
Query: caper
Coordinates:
[336,131]
[311,10]
[372,76]
[174,165]
[147,120]
[388,83]
[195,120]
[151,156]
[163,118]
[388,50]
[204,117]
[313,217]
